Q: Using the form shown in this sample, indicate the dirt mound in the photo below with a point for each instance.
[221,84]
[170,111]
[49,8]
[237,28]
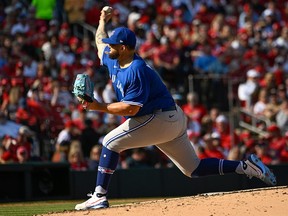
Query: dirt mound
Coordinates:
[264,201]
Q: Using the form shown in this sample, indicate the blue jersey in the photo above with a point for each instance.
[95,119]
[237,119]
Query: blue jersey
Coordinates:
[138,85]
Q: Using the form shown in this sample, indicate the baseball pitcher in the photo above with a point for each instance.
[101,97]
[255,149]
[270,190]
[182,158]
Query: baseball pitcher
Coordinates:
[152,117]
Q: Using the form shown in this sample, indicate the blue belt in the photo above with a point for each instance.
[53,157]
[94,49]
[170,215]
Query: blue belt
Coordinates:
[171,108]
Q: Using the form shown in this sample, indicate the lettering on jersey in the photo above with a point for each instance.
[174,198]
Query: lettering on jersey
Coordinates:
[120,87]
[113,78]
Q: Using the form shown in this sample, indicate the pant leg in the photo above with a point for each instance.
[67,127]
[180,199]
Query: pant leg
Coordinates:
[180,150]
[159,127]
[182,153]
[166,130]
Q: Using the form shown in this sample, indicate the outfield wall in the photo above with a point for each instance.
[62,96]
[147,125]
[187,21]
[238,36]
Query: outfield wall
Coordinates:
[50,181]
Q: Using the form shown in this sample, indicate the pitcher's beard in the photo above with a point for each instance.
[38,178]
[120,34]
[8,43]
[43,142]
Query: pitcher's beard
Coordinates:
[113,55]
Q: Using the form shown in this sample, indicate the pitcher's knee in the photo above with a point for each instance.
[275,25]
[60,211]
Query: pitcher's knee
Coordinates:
[112,145]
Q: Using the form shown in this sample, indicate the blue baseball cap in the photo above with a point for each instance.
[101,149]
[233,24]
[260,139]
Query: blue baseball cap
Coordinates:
[121,35]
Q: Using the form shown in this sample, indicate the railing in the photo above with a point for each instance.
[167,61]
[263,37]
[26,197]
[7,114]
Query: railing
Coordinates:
[229,85]
[254,122]
[83,30]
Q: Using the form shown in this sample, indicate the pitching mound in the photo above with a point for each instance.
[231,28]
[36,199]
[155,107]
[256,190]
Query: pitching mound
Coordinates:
[258,202]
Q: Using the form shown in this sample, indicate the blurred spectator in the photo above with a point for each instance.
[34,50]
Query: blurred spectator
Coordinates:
[110,123]
[204,60]
[262,151]
[15,95]
[74,43]
[65,56]
[214,112]
[108,93]
[284,152]
[276,141]
[60,154]
[247,14]
[75,157]
[93,160]
[7,127]
[87,52]
[247,90]
[132,20]
[260,105]
[235,153]
[9,150]
[44,10]
[114,22]
[23,115]
[138,159]
[61,95]
[228,138]
[21,26]
[74,10]
[272,11]
[216,25]
[22,155]
[17,149]
[281,93]
[166,62]
[148,48]
[123,8]
[93,10]
[88,138]
[282,117]
[193,128]
[51,47]
[273,106]
[268,82]
[64,33]
[30,67]
[211,146]
[193,109]
[53,28]
[207,125]
[64,139]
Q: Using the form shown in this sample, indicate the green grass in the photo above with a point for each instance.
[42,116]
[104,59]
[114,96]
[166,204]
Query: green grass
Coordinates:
[34,208]
[41,207]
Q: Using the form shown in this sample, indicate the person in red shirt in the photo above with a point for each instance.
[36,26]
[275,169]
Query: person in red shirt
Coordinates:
[193,109]
[76,158]
[8,150]
[164,8]
[178,19]
[92,15]
[277,141]
[22,154]
[148,48]
[262,152]
[166,61]
[64,33]
[284,152]
[223,128]
[212,147]
[12,148]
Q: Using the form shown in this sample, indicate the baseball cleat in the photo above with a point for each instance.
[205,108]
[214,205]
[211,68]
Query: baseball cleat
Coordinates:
[95,202]
[254,167]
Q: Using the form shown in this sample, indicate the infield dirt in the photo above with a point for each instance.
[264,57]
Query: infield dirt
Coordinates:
[257,202]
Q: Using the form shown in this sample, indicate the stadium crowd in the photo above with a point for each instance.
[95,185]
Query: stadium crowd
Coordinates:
[217,42]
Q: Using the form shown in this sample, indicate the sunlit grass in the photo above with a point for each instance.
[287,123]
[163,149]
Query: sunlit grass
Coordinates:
[44,207]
